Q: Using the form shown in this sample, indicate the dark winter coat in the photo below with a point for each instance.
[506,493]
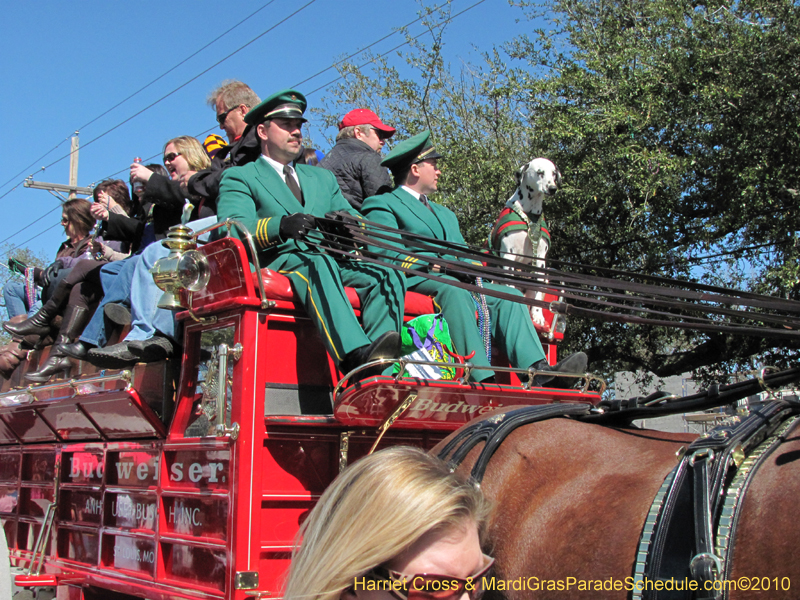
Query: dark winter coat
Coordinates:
[358,170]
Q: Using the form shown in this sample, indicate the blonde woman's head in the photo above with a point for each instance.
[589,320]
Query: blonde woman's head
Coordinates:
[381,507]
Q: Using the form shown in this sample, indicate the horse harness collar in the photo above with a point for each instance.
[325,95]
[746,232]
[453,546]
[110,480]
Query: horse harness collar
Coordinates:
[497,428]
[707,487]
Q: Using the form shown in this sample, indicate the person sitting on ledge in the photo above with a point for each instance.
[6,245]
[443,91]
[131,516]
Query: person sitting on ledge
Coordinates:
[414,165]
[278,204]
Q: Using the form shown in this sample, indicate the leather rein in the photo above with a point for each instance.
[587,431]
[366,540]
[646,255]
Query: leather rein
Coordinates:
[605,298]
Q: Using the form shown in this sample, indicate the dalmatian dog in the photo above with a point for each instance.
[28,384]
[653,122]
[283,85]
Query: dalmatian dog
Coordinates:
[521,223]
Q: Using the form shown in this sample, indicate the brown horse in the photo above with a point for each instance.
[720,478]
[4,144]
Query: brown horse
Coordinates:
[571,499]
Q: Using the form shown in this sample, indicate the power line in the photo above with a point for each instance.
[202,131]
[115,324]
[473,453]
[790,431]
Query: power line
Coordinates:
[408,41]
[387,36]
[30,224]
[333,65]
[355,53]
[33,164]
[337,63]
[141,89]
[33,237]
[165,73]
[183,85]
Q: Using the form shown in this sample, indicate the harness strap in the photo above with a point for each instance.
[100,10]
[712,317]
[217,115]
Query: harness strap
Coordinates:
[692,493]
[514,218]
[654,295]
[466,273]
[496,428]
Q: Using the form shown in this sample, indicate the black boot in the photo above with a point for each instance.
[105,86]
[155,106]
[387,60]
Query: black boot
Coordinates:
[386,346]
[39,324]
[76,349]
[55,363]
[574,363]
[75,319]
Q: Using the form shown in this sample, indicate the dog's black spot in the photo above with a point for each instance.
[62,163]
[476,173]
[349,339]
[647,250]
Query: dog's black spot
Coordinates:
[519,193]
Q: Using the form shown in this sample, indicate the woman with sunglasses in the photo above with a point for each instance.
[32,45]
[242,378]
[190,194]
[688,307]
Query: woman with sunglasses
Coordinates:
[396,525]
[129,285]
[20,295]
[78,291]
[183,157]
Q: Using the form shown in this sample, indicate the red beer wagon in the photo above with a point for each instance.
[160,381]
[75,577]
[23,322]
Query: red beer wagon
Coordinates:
[190,478]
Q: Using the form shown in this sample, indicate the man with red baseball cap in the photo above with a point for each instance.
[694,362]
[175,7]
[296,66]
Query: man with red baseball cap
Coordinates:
[356,160]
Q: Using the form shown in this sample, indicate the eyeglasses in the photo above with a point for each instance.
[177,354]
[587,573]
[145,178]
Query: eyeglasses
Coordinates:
[64,220]
[171,157]
[429,586]
[381,134]
[222,116]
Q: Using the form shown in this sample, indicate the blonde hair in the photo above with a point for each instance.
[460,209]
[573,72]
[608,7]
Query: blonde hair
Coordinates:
[374,510]
[192,151]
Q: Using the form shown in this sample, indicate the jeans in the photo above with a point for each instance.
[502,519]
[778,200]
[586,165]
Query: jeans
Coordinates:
[116,280]
[130,282]
[16,301]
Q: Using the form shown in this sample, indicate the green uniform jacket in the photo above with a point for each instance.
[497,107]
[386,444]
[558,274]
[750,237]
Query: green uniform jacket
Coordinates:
[511,325]
[258,197]
[400,210]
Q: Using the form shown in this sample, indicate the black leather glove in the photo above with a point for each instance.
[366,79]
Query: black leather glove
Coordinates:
[50,272]
[342,215]
[296,226]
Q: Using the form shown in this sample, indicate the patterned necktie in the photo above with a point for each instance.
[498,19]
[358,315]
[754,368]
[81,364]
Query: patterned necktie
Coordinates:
[292,183]
[424,199]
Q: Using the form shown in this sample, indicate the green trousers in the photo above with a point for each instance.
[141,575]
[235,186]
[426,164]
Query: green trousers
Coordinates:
[511,325]
[319,283]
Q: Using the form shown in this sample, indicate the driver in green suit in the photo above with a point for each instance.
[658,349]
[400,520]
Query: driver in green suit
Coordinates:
[277,203]
[414,165]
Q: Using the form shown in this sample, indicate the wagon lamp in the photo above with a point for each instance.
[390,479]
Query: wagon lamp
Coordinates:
[184,268]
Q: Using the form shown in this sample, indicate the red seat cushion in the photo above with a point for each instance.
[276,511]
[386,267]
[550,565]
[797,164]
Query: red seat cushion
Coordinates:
[278,287]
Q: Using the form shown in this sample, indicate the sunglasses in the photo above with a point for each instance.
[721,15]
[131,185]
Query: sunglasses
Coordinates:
[171,157]
[429,586]
[381,134]
[222,116]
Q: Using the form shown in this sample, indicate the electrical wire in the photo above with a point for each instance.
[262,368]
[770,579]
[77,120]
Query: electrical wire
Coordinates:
[333,65]
[183,85]
[408,41]
[141,89]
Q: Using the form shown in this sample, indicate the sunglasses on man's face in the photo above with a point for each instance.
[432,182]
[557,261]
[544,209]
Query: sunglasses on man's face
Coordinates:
[430,586]
[224,115]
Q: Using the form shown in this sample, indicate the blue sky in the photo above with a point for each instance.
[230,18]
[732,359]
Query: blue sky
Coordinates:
[67,63]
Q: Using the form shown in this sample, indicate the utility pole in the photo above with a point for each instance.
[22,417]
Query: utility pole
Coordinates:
[58,189]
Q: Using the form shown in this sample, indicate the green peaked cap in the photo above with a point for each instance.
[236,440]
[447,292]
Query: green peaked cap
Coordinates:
[289,104]
[408,152]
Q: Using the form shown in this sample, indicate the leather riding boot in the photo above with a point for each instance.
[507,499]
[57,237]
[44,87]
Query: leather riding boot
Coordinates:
[75,319]
[55,363]
[39,324]
[76,349]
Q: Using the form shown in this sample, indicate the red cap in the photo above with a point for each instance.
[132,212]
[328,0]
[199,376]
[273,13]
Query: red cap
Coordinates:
[364,116]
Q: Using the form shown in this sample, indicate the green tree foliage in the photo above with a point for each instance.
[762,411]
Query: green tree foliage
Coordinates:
[675,124]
